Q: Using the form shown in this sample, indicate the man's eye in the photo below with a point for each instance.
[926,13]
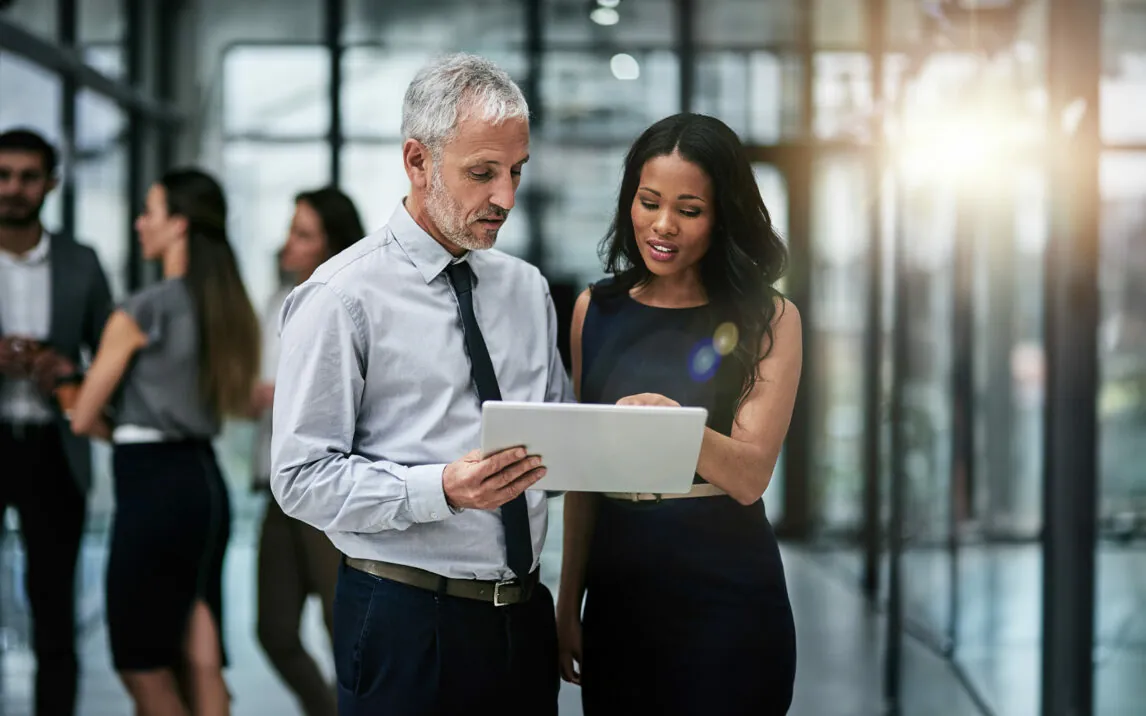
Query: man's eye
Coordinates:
[480,175]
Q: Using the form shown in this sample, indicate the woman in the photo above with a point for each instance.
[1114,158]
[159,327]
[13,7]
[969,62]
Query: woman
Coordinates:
[296,560]
[175,359]
[686,609]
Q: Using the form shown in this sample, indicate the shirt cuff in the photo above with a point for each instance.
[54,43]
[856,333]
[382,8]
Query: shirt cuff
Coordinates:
[425,492]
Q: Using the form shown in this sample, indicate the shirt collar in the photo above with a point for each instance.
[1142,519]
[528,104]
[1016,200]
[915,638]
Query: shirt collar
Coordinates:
[429,257]
[38,254]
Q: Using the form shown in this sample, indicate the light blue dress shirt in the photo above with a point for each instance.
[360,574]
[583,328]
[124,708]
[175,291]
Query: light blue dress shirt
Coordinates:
[373,397]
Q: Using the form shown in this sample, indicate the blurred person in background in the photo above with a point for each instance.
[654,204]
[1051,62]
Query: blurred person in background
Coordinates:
[54,302]
[295,560]
[689,316]
[175,359]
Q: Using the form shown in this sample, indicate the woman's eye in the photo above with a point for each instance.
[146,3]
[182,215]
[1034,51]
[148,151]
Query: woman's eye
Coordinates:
[648,205]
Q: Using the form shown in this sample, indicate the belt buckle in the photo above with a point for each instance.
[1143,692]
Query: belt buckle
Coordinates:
[497,592]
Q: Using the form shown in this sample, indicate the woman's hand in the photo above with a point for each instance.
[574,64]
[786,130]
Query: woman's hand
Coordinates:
[648,399]
[569,646]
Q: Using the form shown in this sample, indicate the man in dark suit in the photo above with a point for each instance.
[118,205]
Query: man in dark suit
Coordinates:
[54,301]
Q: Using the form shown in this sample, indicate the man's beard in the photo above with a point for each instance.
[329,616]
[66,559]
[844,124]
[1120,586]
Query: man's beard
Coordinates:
[18,214]
[449,217]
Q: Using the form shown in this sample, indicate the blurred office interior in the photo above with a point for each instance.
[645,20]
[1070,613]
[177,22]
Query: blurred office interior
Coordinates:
[962,495]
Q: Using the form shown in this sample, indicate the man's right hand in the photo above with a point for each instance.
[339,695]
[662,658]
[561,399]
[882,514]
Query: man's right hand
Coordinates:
[485,484]
[15,357]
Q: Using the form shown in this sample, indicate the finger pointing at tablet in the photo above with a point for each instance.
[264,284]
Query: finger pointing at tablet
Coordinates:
[485,484]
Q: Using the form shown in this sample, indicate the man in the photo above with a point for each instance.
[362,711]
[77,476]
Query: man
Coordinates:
[386,354]
[54,301]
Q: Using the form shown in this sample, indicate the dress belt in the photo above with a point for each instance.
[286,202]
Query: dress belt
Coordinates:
[512,591]
[703,489]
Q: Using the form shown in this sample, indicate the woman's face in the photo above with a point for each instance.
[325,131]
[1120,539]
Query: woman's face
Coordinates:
[673,212]
[158,231]
[305,246]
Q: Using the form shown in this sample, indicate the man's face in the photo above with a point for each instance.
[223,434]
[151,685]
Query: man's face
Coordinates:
[474,179]
[24,184]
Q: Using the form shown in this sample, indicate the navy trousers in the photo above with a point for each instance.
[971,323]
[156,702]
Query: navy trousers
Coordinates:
[404,651]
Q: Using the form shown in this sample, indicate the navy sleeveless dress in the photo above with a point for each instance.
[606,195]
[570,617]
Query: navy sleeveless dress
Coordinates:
[686,608]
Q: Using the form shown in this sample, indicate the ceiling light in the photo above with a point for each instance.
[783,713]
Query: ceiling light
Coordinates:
[605,16]
[625,67]
[608,3]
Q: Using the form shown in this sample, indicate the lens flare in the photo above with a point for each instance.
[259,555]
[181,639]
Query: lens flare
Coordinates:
[703,361]
[725,338]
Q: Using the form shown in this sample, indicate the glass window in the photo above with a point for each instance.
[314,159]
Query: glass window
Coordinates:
[755,93]
[437,25]
[100,30]
[103,209]
[607,97]
[1122,423]
[32,100]
[1123,88]
[747,22]
[256,100]
[578,187]
[39,18]
[842,96]
[637,22]
[839,250]
[261,180]
[374,84]
[837,23]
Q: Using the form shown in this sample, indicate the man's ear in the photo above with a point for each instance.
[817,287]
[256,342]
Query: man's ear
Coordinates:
[51,184]
[419,164]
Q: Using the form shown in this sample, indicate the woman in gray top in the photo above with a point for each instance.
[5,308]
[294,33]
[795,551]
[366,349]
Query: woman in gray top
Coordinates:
[175,359]
[295,559]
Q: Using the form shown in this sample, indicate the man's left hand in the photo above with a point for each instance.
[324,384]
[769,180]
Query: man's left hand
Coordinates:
[48,367]
[648,399]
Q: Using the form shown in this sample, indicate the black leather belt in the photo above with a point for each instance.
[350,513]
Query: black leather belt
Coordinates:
[500,594]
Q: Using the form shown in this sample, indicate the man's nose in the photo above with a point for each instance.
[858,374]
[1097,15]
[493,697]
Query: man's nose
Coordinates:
[504,190]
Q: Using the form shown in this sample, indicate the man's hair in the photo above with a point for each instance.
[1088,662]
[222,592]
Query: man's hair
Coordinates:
[453,87]
[25,140]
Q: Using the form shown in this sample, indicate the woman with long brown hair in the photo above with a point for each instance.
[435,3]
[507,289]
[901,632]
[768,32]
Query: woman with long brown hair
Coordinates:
[175,359]
[295,559]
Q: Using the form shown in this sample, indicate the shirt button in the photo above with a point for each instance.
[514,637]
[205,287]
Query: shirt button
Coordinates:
[433,515]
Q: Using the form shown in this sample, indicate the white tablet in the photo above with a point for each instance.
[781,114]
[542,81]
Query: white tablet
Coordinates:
[600,448]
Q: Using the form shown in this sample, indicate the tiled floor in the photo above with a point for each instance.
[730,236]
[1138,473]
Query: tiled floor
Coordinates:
[839,648]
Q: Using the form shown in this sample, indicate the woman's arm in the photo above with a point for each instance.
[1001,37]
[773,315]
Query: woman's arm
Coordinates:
[580,515]
[742,464]
[121,338]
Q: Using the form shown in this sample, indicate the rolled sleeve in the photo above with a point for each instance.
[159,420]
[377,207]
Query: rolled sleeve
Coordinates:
[315,475]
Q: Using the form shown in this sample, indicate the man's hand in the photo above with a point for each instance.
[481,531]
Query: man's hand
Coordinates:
[16,355]
[648,399]
[474,483]
[49,366]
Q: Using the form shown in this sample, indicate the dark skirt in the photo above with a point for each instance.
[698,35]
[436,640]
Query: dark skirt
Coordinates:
[686,611]
[169,536]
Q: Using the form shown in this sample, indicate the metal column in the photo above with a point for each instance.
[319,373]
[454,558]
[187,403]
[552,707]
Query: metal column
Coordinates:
[1072,311]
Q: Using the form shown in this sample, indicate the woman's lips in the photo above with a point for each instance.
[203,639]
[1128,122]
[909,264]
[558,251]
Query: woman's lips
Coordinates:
[661,250]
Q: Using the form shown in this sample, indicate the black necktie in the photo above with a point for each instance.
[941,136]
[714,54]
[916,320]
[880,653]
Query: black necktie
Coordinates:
[514,515]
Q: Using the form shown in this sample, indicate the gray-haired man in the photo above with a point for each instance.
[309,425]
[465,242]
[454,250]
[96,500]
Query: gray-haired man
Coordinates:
[387,352]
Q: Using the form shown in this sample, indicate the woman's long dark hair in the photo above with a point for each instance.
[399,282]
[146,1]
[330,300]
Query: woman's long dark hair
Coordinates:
[228,326]
[340,222]
[745,256]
